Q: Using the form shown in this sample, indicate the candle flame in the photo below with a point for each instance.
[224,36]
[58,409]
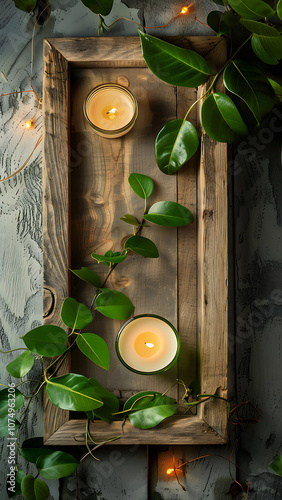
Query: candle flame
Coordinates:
[169,471]
[112,113]
[149,344]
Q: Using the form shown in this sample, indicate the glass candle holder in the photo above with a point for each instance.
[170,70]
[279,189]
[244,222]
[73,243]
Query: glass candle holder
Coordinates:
[111,110]
[148,344]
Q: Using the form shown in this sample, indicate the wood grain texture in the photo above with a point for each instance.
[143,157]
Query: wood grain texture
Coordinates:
[173,431]
[212,255]
[56,227]
[100,195]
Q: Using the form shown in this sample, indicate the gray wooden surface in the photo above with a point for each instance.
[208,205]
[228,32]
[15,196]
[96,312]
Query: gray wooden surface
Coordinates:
[256,178]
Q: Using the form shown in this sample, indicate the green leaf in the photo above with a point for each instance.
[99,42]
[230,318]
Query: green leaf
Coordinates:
[111,402]
[156,410]
[142,246]
[12,403]
[220,2]
[175,144]
[75,315]
[34,489]
[222,22]
[174,65]
[277,87]
[21,365]
[8,424]
[252,9]
[72,392]
[221,119]
[250,84]
[276,466]
[169,213]
[46,340]
[130,219]
[114,304]
[58,464]
[102,7]
[279,9]
[95,348]
[19,477]
[113,258]
[141,184]
[25,5]
[87,275]
[33,448]
[266,41]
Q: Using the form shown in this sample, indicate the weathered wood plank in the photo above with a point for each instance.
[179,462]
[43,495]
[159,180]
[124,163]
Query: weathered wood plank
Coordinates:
[101,195]
[173,431]
[56,228]
[213,271]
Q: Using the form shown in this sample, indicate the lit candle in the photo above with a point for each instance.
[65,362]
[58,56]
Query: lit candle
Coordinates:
[148,344]
[111,110]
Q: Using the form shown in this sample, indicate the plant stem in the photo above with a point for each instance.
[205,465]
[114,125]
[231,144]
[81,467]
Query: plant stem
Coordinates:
[12,350]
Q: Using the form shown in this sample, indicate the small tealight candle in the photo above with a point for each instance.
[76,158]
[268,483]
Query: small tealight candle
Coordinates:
[111,110]
[148,344]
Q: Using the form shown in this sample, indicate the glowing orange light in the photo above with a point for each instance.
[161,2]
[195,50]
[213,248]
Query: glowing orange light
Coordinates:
[184,10]
[28,124]
[169,471]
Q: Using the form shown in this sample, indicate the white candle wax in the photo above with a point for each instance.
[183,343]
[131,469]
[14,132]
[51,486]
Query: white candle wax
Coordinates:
[111,109]
[147,344]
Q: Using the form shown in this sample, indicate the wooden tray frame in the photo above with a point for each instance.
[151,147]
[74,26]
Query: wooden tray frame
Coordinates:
[209,426]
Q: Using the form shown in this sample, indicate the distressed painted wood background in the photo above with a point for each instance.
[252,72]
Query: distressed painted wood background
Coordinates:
[255,199]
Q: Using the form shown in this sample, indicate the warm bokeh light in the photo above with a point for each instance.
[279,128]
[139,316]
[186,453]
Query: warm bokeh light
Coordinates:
[184,10]
[28,124]
[169,471]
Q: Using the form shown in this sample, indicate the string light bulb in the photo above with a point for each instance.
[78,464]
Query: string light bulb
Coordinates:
[169,471]
[29,124]
[184,10]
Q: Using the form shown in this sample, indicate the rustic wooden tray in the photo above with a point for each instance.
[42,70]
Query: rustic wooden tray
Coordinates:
[86,192]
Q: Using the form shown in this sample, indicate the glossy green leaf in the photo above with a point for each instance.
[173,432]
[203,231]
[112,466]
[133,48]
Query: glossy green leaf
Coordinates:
[102,7]
[58,464]
[13,403]
[72,392]
[8,424]
[25,5]
[141,184]
[174,65]
[175,144]
[130,219]
[87,275]
[277,87]
[276,466]
[279,9]
[248,82]
[21,365]
[95,348]
[222,22]
[19,477]
[156,410]
[252,9]
[169,213]
[34,489]
[142,246]
[266,41]
[33,448]
[46,340]
[113,258]
[142,398]
[221,119]
[114,304]
[75,315]
[111,402]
